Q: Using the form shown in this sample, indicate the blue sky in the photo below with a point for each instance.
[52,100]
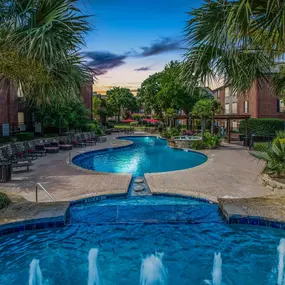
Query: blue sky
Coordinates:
[133,39]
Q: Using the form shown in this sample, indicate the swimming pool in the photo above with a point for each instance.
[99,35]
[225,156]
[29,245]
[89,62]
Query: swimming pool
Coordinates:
[145,155]
[147,241]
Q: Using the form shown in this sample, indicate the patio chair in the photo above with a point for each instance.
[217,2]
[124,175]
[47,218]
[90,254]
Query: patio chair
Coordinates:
[22,152]
[77,142]
[85,139]
[48,147]
[65,143]
[29,147]
[11,154]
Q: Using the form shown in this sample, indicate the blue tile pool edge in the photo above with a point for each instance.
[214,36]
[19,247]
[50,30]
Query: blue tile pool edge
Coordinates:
[58,222]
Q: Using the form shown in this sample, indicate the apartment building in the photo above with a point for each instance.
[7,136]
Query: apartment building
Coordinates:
[258,102]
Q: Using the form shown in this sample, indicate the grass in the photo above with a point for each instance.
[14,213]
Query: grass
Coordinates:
[4,201]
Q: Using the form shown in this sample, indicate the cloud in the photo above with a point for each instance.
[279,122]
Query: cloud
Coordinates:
[102,61]
[144,68]
[161,46]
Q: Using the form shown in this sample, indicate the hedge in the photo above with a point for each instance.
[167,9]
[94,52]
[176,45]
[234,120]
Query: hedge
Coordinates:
[262,127]
[25,136]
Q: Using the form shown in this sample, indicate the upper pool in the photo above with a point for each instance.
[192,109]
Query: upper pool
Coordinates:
[146,155]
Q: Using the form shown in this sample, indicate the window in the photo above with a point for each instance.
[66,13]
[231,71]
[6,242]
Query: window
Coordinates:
[21,118]
[227,108]
[234,107]
[281,106]
[245,106]
[227,92]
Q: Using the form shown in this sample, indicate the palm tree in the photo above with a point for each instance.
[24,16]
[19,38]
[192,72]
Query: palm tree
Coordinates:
[47,34]
[216,108]
[274,158]
[237,41]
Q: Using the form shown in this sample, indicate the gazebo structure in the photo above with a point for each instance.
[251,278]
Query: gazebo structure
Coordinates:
[228,118]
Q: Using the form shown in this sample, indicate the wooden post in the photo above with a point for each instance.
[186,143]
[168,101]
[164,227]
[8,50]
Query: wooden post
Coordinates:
[246,127]
[229,130]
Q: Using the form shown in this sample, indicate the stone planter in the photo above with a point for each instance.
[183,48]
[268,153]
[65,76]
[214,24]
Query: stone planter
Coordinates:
[271,184]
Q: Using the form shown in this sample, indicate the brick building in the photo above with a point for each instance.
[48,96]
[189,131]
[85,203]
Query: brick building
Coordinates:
[258,102]
[14,111]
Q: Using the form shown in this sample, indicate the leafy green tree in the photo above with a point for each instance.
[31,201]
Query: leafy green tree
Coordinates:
[170,114]
[72,115]
[236,41]
[148,92]
[120,100]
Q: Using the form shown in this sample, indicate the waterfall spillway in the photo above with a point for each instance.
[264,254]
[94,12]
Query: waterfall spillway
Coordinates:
[153,271]
[93,274]
[217,269]
[36,277]
[281,251]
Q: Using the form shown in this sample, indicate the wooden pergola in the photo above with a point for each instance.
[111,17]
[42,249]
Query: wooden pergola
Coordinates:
[227,117]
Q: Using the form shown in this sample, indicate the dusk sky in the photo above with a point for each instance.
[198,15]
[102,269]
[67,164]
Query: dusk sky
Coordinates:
[133,39]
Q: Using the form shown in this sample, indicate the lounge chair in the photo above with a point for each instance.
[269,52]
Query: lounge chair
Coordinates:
[11,154]
[32,149]
[48,147]
[77,142]
[15,163]
[22,152]
[88,139]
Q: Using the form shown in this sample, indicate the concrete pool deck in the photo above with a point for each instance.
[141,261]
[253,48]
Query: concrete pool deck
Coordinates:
[230,172]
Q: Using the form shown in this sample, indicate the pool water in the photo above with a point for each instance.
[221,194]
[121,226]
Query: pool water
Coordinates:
[154,241]
[146,155]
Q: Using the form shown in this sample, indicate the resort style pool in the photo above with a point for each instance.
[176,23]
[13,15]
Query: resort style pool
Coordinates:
[145,155]
[146,241]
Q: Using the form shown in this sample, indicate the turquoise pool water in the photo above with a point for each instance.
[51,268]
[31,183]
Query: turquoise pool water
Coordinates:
[146,241]
[146,155]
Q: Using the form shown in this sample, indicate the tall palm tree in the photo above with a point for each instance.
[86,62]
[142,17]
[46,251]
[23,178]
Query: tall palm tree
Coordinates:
[239,41]
[47,34]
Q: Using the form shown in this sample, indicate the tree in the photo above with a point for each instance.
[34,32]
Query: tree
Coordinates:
[72,115]
[148,92]
[216,108]
[236,41]
[121,100]
[42,38]
[203,109]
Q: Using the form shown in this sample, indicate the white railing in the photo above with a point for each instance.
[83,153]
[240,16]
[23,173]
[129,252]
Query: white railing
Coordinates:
[41,187]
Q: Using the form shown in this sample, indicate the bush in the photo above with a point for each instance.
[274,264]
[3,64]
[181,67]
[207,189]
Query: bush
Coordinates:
[198,145]
[212,141]
[274,157]
[133,124]
[261,146]
[171,132]
[25,136]
[4,201]
[262,127]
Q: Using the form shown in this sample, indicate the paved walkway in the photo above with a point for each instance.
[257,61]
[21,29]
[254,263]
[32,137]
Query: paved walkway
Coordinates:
[65,182]
[230,171]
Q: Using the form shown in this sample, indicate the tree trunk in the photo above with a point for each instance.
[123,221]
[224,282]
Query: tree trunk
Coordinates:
[212,126]
[203,125]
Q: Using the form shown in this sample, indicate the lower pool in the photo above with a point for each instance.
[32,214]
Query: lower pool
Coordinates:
[147,241]
[145,155]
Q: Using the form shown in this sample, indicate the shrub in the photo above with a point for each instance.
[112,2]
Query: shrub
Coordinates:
[212,140]
[262,127]
[133,124]
[274,157]
[4,201]
[261,146]
[25,136]
[170,132]
[198,145]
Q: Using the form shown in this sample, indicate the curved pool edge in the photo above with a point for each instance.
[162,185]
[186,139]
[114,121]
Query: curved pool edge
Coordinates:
[62,220]
[130,143]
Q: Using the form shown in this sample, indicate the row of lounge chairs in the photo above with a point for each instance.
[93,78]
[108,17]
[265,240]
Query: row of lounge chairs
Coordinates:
[22,154]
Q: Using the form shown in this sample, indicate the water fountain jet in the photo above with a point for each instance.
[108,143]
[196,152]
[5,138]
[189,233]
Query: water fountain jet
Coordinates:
[93,275]
[217,269]
[153,272]
[36,277]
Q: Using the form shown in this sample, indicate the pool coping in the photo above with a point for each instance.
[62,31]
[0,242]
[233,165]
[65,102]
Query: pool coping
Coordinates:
[62,221]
